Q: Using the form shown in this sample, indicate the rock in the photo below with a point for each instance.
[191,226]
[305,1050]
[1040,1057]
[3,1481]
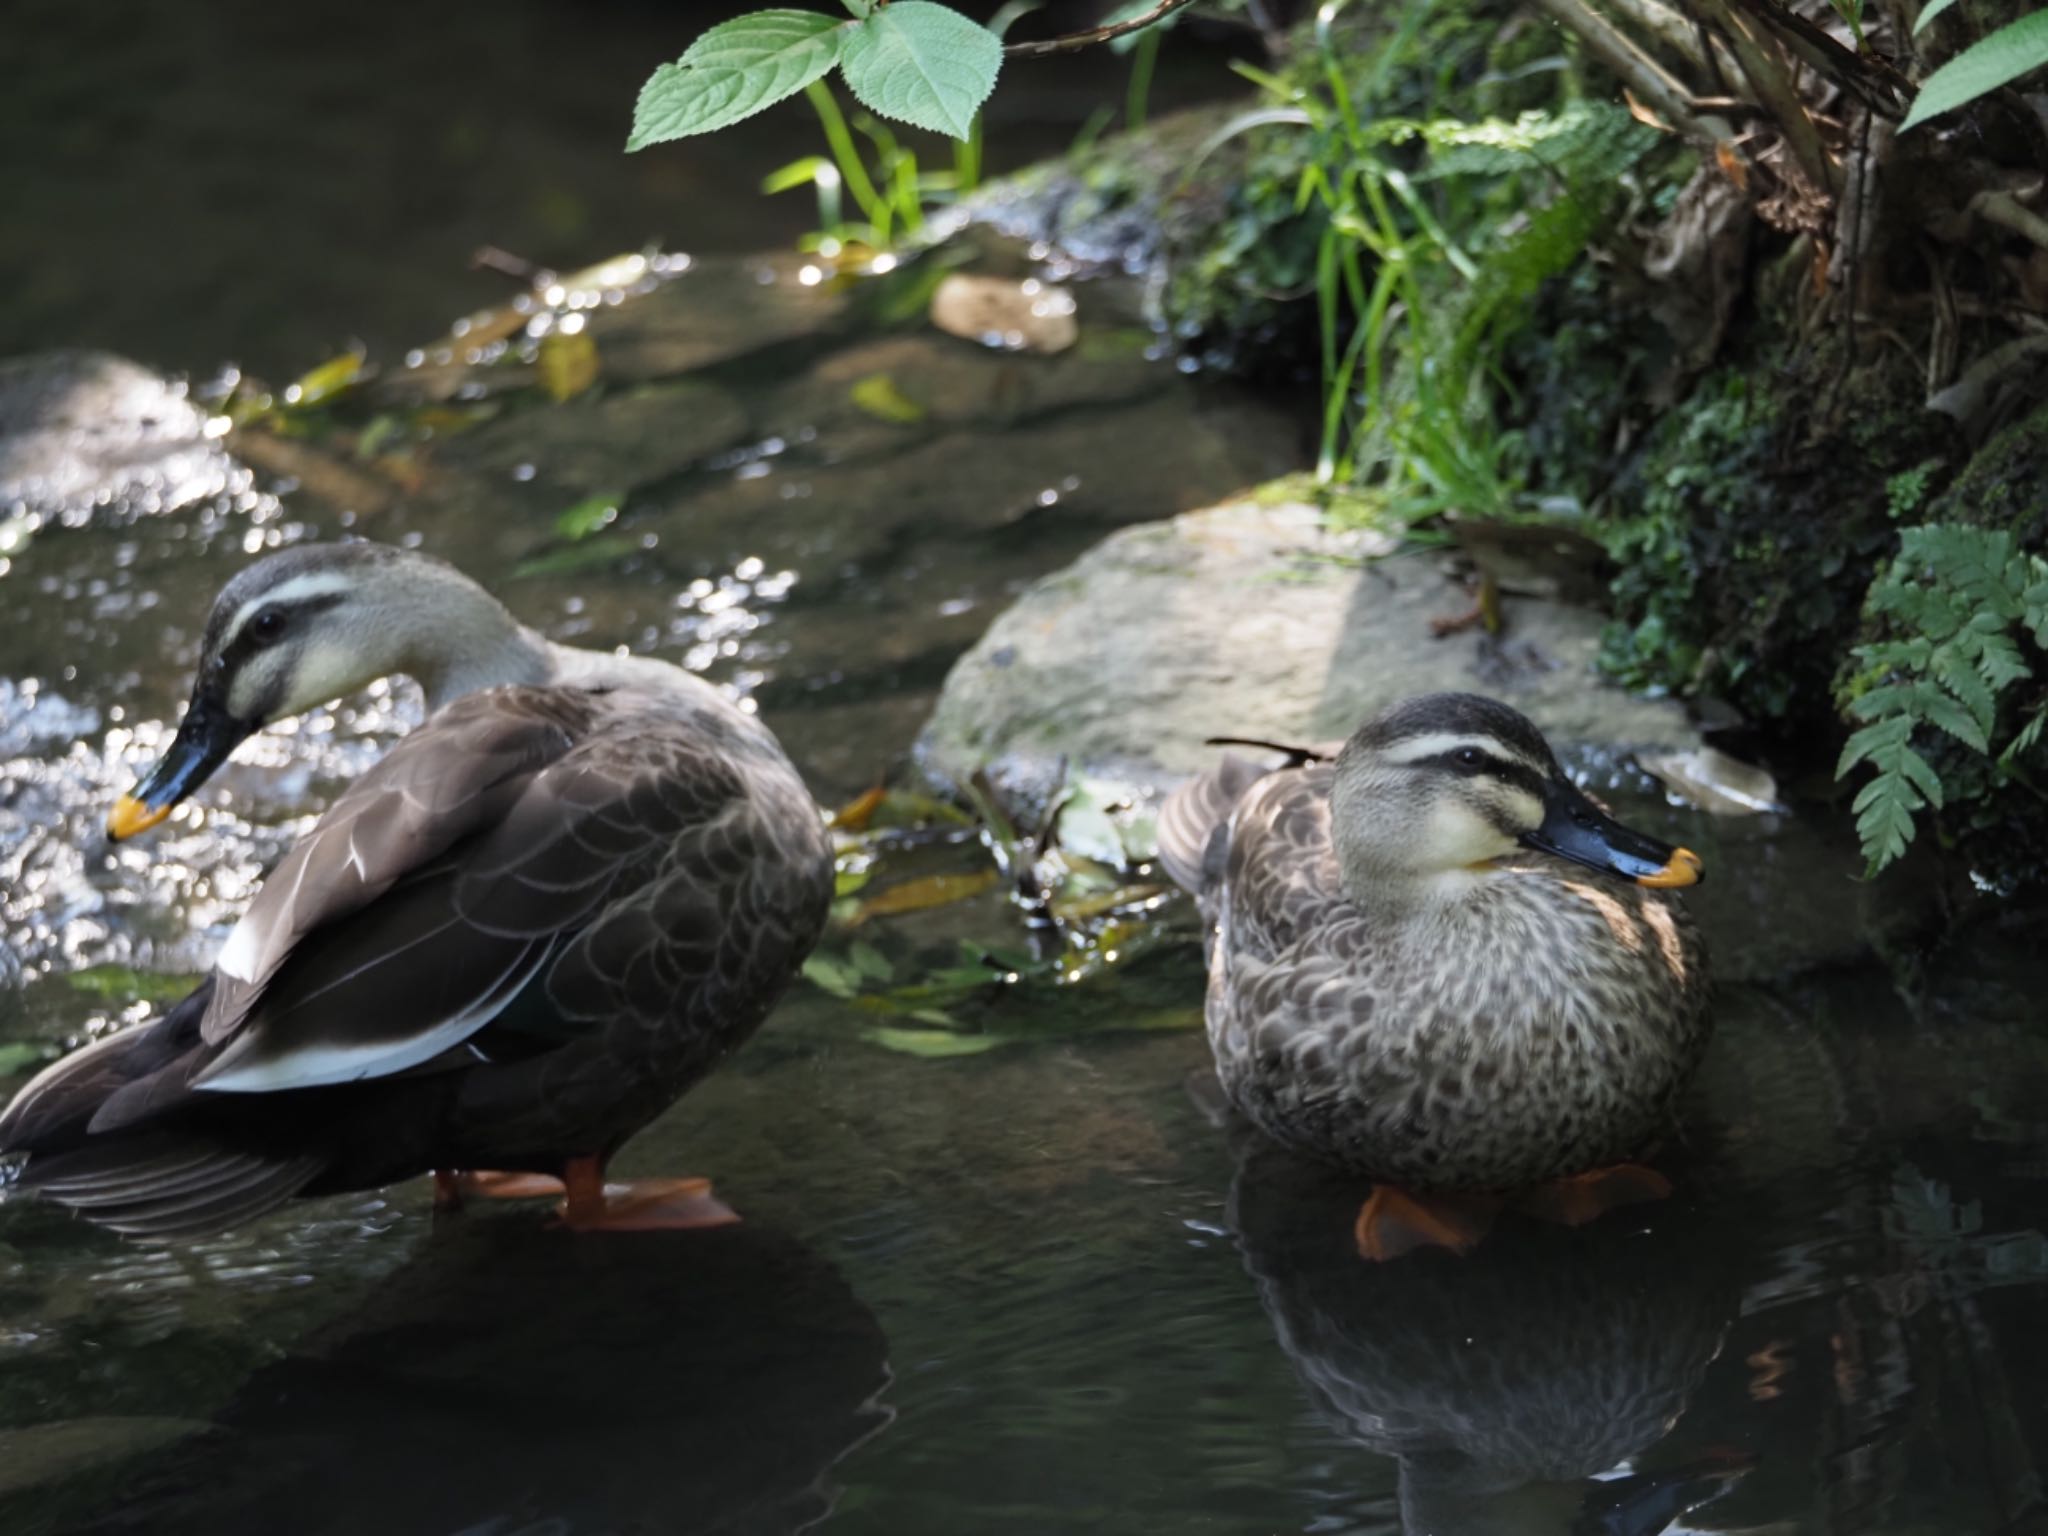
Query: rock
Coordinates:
[716,310]
[88,433]
[1250,620]
[615,441]
[1024,315]
[1259,621]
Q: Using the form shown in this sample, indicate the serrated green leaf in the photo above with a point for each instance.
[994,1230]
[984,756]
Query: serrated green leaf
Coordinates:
[1933,9]
[1920,773]
[923,64]
[1959,675]
[735,70]
[2013,50]
[1884,737]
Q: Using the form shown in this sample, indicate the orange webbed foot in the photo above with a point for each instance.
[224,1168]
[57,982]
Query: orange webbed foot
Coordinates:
[1393,1222]
[1583,1197]
[454,1188]
[639,1205]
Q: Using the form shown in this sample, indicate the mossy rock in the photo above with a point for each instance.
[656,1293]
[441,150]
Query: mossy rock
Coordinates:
[1765,503]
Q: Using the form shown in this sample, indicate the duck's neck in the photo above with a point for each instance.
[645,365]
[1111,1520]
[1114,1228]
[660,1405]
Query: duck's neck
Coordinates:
[455,638]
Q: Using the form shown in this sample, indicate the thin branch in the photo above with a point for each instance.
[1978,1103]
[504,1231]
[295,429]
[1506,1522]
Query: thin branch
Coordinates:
[1868,77]
[1763,66]
[1684,37]
[1638,71]
[2005,209]
[1073,42]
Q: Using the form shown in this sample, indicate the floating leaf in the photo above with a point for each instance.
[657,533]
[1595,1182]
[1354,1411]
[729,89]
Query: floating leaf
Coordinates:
[567,363]
[923,894]
[878,395]
[326,381]
[832,975]
[922,64]
[2013,50]
[607,549]
[587,516]
[870,961]
[734,70]
[120,983]
[933,1043]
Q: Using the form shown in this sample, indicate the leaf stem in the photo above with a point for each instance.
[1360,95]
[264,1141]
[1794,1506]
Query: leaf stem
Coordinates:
[1074,42]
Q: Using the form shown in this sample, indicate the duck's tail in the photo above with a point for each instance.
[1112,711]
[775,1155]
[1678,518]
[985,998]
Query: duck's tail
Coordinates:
[159,1179]
[1192,823]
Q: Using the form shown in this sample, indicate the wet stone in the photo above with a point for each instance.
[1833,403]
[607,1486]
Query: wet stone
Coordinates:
[717,310]
[87,433]
[1258,621]
[616,440]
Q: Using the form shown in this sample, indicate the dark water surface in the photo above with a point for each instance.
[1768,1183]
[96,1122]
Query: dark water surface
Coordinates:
[1039,1289]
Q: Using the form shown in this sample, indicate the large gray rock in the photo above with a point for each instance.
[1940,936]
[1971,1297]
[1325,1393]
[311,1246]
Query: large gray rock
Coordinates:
[88,434]
[1251,620]
[1259,621]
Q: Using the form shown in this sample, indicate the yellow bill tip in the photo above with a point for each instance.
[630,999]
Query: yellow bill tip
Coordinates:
[1683,868]
[131,816]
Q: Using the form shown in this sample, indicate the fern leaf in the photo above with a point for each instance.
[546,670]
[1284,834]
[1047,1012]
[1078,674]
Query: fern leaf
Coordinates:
[1958,673]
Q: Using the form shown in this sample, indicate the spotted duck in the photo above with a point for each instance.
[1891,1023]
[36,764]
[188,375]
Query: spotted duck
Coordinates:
[513,942]
[1434,961]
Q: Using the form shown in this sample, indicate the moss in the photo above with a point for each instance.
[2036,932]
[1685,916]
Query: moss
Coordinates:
[1764,505]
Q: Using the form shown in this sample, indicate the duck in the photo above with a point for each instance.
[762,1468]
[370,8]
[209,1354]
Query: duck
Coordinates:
[517,938]
[1434,961]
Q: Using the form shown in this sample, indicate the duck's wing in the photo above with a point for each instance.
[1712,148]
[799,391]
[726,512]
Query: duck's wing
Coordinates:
[1194,823]
[435,891]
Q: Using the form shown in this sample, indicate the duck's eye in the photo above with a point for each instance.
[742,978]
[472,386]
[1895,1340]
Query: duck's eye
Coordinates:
[267,625]
[1469,757]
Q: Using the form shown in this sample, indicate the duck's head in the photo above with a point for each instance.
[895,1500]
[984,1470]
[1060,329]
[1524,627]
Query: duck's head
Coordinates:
[1448,782]
[304,627]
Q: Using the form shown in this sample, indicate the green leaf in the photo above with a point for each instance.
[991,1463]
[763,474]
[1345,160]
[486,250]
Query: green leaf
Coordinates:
[870,961]
[19,1056]
[878,395]
[121,983]
[1988,63]
[735,70]
[932,1042]
[587,516]
[834,976]
[922,64]
[1933,9]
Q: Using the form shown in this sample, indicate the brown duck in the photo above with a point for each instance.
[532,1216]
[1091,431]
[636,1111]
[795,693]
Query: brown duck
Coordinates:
[1435,962]
[517,939]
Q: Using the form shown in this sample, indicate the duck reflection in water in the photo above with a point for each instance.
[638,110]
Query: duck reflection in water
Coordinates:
[514,1381]
[1500,1380]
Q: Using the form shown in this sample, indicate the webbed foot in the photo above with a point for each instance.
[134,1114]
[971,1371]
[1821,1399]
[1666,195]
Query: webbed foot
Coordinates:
[638,1205]
[1584,1196]
[1393,1222]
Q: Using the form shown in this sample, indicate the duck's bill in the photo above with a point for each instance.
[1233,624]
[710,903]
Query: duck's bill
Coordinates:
[206,736]
[1575,828]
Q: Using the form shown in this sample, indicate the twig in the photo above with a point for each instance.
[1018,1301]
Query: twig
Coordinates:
[1638,71]
[1073,42]
[1868,77]
[1762,66]
[1687,39]
[2003,208]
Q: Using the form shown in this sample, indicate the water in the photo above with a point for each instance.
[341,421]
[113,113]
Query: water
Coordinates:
[1045,1288]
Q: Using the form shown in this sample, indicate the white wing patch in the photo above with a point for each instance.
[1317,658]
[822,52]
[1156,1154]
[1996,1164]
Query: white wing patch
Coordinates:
[245,1068]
